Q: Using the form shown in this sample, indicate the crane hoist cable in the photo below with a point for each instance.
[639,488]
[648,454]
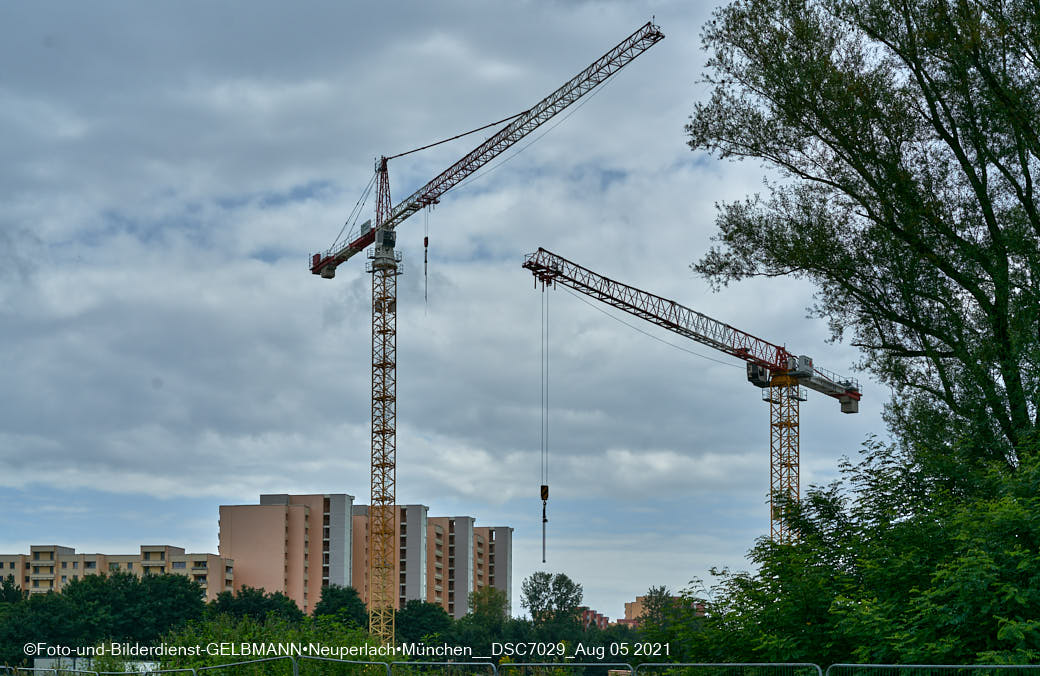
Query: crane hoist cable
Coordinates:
[544,492]
[425,256]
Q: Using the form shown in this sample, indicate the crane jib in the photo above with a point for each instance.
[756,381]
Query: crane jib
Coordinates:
[550,268]
[578,86]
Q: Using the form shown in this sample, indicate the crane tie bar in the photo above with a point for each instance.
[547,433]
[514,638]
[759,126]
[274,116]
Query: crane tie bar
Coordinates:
[465,133]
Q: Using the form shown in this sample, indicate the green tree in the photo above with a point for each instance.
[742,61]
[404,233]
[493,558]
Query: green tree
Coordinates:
[9,591]
[907,137]
[48,618]
[230,629]
[551,598]
[490,607]
[660,610]
[344,603]
[419,620]
[255,603]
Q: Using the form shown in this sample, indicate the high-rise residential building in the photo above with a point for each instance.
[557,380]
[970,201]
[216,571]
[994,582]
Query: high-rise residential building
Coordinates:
[410,567]
[493,560]
[463,558]
[440,559]
[453,562]
[294,544]
[52,567]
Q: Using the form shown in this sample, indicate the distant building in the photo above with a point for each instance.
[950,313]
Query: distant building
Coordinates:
[634,610]
[52,567]
[293,544]
[591,618]
[440,559]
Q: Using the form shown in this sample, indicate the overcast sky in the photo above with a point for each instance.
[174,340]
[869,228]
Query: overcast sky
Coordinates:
[169,167]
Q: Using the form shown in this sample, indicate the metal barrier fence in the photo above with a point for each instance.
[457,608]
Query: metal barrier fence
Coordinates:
[933,669]
[729,669]
[350,666]
[307,665]
[453,668]
[567,668]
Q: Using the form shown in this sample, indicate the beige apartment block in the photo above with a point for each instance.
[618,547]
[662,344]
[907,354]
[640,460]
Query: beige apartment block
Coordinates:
[493,560]
[293,544]
[276,546]
[410,566]
[51,567]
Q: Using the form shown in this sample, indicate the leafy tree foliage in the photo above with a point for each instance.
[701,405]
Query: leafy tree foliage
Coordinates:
[884,572]
[94,608]
[255,603]
[908,138]
[344,603]
[422,621]
[489,606]
[274,628]
[9,591]
[551,598]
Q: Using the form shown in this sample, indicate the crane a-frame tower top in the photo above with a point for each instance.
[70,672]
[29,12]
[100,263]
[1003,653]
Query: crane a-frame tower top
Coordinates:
[772,367]
[384,264]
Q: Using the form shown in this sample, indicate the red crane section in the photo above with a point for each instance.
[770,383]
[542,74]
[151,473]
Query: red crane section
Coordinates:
[578,86]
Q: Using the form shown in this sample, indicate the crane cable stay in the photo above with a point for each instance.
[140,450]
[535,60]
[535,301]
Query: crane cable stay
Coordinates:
[385,265]
[780,373]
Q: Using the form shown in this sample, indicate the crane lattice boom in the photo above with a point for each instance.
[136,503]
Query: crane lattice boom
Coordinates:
[575,88]
[550,268]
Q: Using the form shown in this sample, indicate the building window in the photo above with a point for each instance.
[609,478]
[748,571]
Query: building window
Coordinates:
[129,565]
[64,564]
[75,577]
[64,579]
[75,565]
[113,566]
[90,565]
[1,564]
[36,583]
[179,564]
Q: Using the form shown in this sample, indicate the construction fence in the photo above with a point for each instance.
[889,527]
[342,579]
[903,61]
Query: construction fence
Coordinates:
[324,666]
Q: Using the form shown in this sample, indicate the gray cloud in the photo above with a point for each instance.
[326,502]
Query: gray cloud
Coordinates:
[171,166]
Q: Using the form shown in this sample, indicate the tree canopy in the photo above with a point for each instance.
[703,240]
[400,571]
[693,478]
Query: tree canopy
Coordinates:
[904,140]
[907,139]
[343,603]
[551,598]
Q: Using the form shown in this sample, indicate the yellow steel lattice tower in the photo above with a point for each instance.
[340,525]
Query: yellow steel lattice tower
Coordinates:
[382,543]
[784,396]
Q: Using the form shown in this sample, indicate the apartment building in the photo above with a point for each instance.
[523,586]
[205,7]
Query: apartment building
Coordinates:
[493,560]
[410,523]
[440,559]
[51,567]
[294,544]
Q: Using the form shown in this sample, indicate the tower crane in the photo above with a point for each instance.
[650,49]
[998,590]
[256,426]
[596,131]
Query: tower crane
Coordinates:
[781,374]
[384,265]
